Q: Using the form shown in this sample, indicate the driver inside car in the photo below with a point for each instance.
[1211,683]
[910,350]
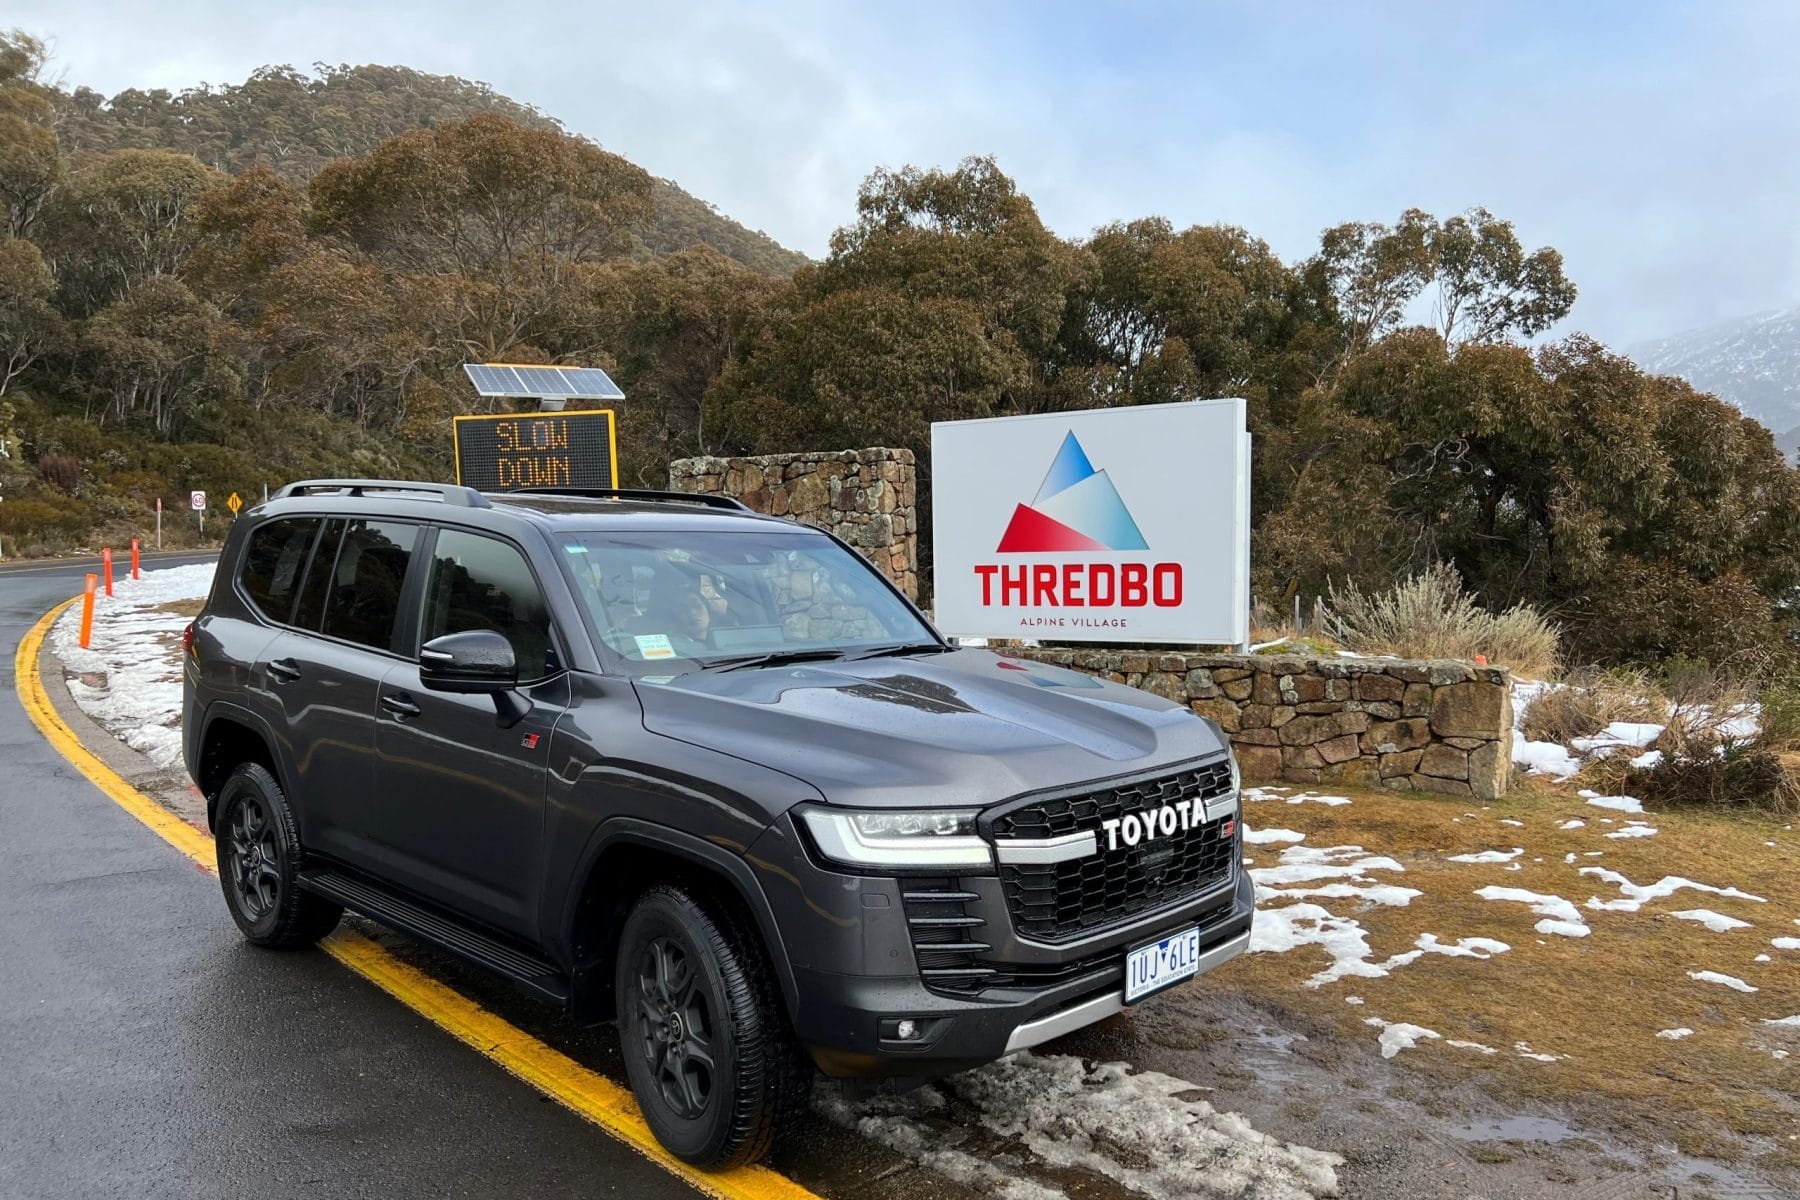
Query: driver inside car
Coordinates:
[676,610]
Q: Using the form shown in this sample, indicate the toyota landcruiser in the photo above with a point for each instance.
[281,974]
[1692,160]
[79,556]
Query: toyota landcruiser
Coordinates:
[667,762]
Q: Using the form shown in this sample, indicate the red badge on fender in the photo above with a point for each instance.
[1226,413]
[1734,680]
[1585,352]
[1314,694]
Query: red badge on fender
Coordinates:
[529,741]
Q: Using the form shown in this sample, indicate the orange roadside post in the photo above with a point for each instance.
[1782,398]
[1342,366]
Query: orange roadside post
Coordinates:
[106,566]
[134,559]
[87,610]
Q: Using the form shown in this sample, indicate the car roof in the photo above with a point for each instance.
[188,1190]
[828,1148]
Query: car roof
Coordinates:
[589,509]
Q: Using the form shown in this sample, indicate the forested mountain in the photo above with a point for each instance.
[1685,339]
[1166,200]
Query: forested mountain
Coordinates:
[245,285]
[1753,362]
[296,123]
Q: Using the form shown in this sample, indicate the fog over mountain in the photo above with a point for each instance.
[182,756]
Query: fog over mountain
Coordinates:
[1753,362]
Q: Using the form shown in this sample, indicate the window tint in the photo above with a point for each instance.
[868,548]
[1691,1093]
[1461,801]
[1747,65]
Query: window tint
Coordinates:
[318,576]
[481,583]
[363,594]
[273,563]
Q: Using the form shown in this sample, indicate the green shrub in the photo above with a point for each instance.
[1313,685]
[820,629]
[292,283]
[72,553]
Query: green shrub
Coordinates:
[1431,616]
[1742,773]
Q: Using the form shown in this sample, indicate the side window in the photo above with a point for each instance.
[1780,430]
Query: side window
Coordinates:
[318,576]
[362,597]
[482,583]
[273,563]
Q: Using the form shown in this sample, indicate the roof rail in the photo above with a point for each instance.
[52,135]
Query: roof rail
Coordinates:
[449,493]
[708,499]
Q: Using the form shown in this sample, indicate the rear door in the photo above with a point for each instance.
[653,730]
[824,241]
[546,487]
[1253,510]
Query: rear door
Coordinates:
[326,673]
[462,794]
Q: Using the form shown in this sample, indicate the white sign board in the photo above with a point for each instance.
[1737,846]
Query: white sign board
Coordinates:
[197,501]
[1108,525]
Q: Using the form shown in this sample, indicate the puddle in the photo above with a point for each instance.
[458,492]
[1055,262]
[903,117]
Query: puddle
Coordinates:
[1270,1054]
[1515,1129]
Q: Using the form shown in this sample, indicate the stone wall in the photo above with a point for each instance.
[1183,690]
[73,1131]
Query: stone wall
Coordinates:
[867,497]
[1435,726]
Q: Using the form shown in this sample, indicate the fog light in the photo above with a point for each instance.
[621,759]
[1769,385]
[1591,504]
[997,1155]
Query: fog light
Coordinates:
[906,1031]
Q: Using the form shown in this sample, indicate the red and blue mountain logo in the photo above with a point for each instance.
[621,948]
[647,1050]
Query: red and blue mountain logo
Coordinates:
[1076,508]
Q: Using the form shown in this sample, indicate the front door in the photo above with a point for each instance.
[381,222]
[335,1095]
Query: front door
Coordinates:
[462,793]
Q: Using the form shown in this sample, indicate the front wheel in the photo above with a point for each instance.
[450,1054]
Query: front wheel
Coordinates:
[707,1047]
[258,844]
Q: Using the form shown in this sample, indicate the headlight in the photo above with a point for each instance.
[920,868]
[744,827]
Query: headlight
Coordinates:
[904,839]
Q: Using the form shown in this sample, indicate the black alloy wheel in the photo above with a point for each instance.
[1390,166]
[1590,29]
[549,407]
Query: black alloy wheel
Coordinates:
[253,858]
[707,1045]
[675,1027]
[258,846]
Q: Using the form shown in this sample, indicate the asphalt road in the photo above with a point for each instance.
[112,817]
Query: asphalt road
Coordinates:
[146,1050]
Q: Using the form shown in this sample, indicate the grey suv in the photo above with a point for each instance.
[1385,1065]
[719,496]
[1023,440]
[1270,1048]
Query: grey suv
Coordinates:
[664,761]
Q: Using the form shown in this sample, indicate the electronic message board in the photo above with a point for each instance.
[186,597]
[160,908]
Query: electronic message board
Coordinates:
[545,449]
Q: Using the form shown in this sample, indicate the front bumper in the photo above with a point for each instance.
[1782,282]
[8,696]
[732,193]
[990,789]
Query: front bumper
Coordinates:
[854,968]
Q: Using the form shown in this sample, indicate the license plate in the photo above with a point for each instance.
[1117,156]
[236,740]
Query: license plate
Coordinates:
[1150,969]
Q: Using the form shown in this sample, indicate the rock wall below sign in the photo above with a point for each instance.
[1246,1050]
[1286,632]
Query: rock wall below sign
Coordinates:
[1430,725]
[869,498]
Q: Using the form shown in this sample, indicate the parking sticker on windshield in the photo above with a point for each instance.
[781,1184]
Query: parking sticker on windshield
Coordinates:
[654,645]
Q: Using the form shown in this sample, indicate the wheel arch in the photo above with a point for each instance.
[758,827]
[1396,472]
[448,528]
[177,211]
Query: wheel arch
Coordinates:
[229,736]
[626,855]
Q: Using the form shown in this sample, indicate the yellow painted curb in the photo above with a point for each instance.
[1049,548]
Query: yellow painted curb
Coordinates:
[558,1076]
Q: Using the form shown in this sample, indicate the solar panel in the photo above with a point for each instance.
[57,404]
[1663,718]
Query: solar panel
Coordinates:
[570,383]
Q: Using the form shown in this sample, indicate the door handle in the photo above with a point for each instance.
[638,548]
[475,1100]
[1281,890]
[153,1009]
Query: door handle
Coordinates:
[285,669]
[400,706]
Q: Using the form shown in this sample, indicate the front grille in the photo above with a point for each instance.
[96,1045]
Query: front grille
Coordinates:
[1055,901]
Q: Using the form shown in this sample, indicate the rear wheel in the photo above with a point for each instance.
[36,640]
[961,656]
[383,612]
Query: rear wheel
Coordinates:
[707,1046]
[258,846]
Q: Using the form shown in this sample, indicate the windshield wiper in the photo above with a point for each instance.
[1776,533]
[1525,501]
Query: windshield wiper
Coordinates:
[771,658]
[902,648]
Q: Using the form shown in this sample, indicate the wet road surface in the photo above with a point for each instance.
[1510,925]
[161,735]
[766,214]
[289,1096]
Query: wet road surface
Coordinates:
[148,1051]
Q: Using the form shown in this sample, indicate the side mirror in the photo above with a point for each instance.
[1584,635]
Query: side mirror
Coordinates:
[477,662]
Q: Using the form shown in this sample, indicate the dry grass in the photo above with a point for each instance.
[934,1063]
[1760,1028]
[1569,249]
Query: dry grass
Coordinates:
[183,608]
[1431,616]
[1598,1000]
[1589,700]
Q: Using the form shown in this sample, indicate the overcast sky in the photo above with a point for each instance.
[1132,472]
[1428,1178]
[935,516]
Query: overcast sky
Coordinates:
[1654,143]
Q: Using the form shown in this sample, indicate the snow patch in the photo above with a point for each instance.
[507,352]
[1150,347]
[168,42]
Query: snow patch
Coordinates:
[1636,896]
[1717,922]
[1675,1035]
[1573,823]
[132,647]
[1624,804]
[1730,981]
[1560,916]
[1136,1128]
[1398,1036]
[1489,856]
[1263,837]
[1544,758]
[1637,829]
[1786,943]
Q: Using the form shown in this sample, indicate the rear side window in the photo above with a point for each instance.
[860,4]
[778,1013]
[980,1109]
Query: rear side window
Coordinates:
[362,592]
[483,583]
[273,563]
[318,576]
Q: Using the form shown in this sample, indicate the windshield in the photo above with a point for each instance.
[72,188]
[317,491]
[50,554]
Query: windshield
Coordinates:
[666,602]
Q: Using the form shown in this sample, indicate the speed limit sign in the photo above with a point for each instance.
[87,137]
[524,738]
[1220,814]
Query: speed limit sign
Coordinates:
[197,501]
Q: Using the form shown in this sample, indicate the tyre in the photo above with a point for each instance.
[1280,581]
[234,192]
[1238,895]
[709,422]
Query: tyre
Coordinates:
[707,1046]
[258,846]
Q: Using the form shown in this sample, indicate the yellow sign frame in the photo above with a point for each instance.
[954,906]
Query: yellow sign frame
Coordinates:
[612,433]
